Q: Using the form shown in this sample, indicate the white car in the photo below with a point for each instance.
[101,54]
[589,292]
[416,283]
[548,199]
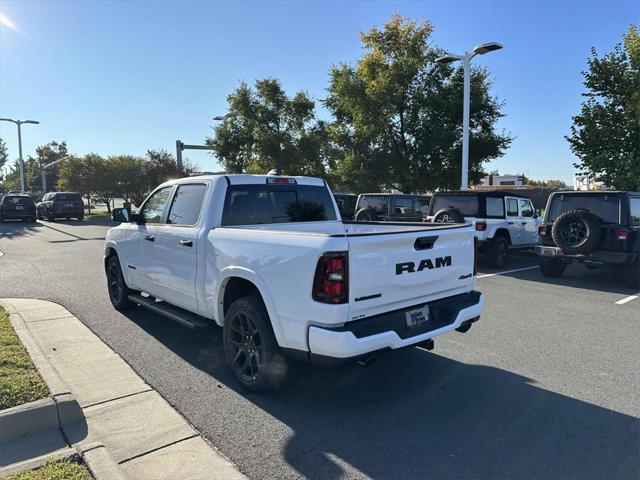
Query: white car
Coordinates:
[502,220]
[269,259]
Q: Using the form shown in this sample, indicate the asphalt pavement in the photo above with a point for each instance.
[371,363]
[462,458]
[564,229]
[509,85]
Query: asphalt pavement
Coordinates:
[545,385]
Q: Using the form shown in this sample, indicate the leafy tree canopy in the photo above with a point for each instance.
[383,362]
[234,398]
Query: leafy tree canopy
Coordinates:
[398,115]
[605,135]
[267,129]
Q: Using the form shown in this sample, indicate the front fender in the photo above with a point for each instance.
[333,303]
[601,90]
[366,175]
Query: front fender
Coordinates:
[252,277]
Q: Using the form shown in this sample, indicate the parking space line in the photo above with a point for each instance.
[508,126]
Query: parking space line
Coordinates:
[628,299]
[507,271]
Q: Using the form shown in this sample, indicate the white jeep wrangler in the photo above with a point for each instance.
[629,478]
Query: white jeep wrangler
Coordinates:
[502,220]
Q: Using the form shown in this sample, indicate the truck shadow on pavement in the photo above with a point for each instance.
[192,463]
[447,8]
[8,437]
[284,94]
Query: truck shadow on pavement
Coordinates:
[13,229]
[412,414]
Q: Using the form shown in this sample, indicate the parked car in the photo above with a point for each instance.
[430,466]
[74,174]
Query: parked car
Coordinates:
[266,258]
[391,207]
[18,206]
[597,229]
[61,205]
[502,221]
[346,204]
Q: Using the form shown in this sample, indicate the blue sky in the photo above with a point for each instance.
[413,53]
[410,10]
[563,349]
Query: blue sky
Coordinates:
[121,77]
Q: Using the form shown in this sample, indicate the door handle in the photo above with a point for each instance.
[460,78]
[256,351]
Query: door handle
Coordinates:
[150,238]
[524,223]
[510,223]
[186,243]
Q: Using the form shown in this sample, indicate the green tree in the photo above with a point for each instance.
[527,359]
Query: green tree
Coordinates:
[605,135]
[4,156]
[47,154]
[398,115]
[267,129]
[128,177]
[76,175]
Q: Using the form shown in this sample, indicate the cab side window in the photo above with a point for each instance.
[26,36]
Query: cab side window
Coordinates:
[512,207]
[153,208]
[186,204]
[526,208]
[403,207]
[634,204]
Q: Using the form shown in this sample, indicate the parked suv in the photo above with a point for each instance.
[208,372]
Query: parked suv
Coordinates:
[502,221]
[61,205]
[17,206]
[391,207]
[598,229]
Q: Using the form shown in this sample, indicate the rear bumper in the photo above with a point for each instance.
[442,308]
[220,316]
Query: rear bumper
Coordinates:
[601,257]
[18,214]
[352,340]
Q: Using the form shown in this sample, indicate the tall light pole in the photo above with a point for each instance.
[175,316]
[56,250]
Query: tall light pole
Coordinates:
[466,104]
[43,173]
[21,161]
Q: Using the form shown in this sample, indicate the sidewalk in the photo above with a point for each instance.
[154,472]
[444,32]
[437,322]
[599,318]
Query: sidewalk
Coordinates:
[145,436]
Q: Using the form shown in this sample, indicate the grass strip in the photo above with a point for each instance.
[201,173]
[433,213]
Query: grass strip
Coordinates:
[20,382]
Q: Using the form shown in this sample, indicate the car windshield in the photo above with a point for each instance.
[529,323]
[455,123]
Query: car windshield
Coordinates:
[18,200]
[467,204]
[260,204]
[607,207]
[67,197]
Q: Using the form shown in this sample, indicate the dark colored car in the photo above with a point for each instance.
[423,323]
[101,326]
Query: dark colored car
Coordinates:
[598,229]
[61,205]
[17,206]
[391,207]
[346,204]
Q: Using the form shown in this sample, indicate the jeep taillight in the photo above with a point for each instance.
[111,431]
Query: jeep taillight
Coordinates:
[481,226]
[542,230]
[622,234]
[331,281]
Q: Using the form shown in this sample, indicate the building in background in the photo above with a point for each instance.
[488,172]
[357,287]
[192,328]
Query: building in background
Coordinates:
[503,180]
[587,182]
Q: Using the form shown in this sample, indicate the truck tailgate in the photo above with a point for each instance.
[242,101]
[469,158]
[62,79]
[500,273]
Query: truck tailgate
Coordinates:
[390,271]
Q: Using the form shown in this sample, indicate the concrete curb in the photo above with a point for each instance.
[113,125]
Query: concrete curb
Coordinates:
[100,462]
[138,433]
[60,411]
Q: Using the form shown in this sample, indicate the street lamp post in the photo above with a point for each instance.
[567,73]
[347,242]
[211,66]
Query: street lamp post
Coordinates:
[43,173]
[21,161]
[466,104]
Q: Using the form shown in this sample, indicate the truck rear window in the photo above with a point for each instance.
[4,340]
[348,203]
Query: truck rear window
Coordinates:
[467,204]
[607,207]
[263,204]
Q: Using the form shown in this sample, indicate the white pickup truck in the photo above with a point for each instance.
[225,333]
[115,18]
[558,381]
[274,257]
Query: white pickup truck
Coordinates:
[268,258]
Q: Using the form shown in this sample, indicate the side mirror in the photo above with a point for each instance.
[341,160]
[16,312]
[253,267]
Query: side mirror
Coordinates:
[120,215]
[537,214]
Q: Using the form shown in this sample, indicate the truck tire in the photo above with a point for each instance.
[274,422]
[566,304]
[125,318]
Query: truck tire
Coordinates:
[498,252]
[552,267]
[448,215]
[576,232]
[366,215]
[117,287]
[250,346]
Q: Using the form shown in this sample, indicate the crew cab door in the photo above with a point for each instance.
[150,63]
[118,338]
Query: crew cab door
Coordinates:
[175,258]
[140,247]
[514,221]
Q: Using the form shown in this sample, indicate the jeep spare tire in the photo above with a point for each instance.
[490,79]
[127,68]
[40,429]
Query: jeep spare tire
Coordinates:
[366,215]
[576,231]
[448,215]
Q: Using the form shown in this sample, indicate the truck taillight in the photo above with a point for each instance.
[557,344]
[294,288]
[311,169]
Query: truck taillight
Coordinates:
[542,230]
[481,226]
[476,245]
[331,281]
[622,234]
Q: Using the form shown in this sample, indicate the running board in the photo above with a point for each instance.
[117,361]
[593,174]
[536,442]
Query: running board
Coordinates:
[176,314]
